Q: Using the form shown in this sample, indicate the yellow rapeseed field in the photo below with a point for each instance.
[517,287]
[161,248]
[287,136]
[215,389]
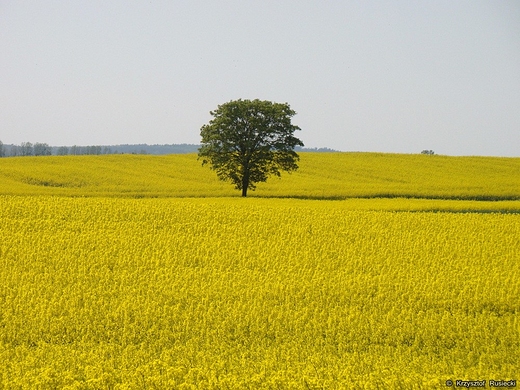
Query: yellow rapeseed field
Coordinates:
[113,289]
[321,176]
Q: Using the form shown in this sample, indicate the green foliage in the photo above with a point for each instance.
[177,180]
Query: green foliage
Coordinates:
[247,141]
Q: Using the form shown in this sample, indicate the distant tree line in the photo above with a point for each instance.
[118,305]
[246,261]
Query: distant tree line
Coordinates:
[43,149]
[25,149]
[320,150]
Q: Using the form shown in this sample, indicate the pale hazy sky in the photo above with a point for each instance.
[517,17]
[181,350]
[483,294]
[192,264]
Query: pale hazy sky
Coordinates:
[380,76]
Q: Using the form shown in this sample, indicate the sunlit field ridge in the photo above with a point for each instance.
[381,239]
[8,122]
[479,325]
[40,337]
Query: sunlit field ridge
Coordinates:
[321,176]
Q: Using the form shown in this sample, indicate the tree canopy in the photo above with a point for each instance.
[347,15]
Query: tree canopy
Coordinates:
[249,140]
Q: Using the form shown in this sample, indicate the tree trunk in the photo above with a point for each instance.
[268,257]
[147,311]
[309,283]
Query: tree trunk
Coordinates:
[245,184]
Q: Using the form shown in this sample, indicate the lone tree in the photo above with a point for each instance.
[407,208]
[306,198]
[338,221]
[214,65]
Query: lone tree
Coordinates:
[246,141]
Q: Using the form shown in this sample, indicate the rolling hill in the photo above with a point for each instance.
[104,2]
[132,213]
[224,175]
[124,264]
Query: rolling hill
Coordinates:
[321,176]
